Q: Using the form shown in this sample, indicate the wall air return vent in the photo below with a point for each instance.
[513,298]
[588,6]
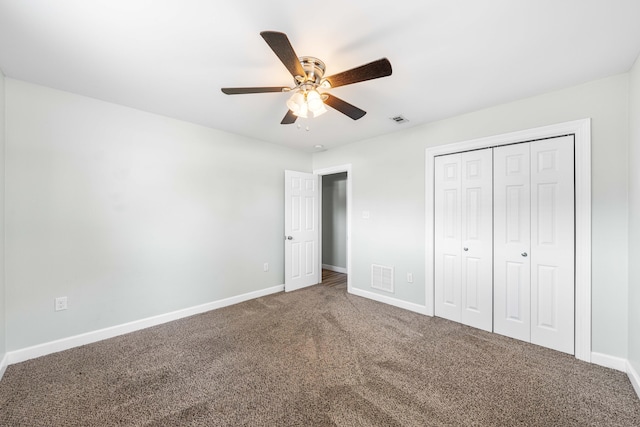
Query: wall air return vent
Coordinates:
[382,278]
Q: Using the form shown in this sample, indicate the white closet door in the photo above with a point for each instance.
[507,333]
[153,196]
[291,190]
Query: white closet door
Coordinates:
[552,243]
[447,236]
[477,238]
[511,210]
[463,238]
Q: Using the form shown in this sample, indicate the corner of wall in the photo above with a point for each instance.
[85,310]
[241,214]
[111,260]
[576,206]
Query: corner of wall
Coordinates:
[3,332]
[634,226]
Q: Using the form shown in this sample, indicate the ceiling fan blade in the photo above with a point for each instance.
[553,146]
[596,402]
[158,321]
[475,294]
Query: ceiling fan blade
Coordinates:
[370,71]
[279,43]
[344,107]
[243,90]
[289,118]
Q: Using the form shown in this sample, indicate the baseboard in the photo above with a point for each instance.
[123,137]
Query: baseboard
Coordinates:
[21,355]
[613,362]
[634,378]
[389,300]
[3,365]
[334,268]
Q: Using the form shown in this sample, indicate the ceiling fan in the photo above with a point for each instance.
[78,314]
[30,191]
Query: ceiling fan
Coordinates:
[310,86]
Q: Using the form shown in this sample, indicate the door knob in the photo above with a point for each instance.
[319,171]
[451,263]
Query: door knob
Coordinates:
[465,249]
[524,254]
[289,237]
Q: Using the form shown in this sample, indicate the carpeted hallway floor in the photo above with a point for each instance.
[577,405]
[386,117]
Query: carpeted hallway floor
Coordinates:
[314,357]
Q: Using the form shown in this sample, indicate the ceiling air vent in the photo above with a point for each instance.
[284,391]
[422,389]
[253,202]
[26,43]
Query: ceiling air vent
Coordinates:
[399,119]
[382,277]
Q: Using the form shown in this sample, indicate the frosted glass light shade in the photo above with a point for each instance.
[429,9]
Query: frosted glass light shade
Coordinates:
[302,111]
[320,111]
[296,102]
[314,102]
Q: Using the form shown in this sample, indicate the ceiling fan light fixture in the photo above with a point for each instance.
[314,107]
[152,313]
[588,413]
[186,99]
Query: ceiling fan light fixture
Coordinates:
[307,104]
[309,98]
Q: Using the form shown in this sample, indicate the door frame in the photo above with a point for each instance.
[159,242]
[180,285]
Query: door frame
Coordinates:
[330,171]
[581,129]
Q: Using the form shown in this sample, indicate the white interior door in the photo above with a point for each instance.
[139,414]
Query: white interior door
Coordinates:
[552,243]
[447,238]
[477,239]
[301,230]
[511,212]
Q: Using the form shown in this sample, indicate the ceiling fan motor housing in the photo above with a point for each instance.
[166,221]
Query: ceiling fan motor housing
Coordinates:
[314,68]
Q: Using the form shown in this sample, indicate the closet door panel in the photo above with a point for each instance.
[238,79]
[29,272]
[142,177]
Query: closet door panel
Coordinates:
[511,214]
[447,236]
[552,245]
[477,236]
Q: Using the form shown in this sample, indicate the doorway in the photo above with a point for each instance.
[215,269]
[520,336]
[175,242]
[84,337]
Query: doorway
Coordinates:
[334,229]
[335,225]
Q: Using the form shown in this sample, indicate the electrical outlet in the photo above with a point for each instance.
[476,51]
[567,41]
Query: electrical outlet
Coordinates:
[366,214]
[410,277]
[265,267]
[61,303]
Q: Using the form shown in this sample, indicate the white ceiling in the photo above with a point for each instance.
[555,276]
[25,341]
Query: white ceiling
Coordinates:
[449,57]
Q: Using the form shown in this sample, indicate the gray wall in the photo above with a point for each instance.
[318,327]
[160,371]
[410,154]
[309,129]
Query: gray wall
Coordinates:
[388,181]
[334,220]
[634,218]
[131,214]
[3,347]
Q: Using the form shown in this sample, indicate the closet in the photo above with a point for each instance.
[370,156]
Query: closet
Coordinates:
[504,240]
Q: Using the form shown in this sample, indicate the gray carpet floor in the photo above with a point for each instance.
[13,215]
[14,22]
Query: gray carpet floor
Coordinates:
[314,357]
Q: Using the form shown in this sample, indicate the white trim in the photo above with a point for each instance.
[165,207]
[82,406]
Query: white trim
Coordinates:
[634,378]
[613,362]
[3,365]
[389,300]
[334,268]
[619,364]
[329,171]
[582,131]
[114,331]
